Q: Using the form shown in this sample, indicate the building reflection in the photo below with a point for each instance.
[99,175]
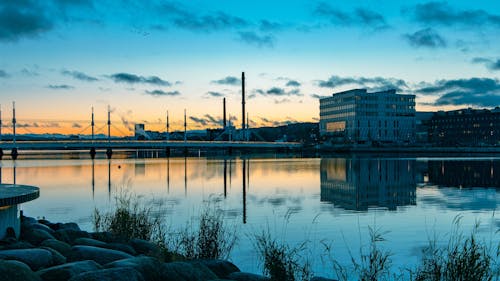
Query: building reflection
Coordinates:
[463,174]
[358,184]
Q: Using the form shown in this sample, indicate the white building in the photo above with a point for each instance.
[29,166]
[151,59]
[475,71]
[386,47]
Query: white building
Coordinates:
[357,116]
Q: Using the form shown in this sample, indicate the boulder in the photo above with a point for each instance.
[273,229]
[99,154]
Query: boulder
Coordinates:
[110,274]
[18,245]
[14,271]
[100,255]
[61,247]
[68,270]
[150,268]
[104,236]
[221,268]
[37,226]
[145,247]
[121,247]
[69,235]
[28,220]
[35,236]
[57,258]
[187,271]
[89,242]
[69,226]
[34,258]
[245,276]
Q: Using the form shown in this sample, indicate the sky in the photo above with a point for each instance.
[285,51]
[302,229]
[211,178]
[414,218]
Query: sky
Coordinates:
[60,58]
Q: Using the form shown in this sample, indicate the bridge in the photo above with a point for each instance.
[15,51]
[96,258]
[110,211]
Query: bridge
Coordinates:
[109,145]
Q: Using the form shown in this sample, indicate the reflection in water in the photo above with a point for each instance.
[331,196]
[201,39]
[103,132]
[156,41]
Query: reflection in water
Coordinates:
[459,173]
[93,177]
[244,179]
[357,184]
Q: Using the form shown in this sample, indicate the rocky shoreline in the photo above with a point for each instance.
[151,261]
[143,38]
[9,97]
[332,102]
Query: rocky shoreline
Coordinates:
[62,251]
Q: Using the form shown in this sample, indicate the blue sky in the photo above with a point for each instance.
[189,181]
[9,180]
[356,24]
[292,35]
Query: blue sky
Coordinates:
[59,58]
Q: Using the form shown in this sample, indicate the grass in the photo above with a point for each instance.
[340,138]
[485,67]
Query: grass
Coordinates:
[131,217]
[282,262]
[210,237]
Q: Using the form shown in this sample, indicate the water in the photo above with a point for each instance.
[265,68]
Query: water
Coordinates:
[320,200]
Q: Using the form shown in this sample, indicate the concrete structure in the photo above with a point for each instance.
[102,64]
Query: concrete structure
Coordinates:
[465,127]
[139,132]
[357,116]
[11,195]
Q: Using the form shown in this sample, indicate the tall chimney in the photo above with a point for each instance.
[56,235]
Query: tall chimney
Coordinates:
[243,101]
[224,112]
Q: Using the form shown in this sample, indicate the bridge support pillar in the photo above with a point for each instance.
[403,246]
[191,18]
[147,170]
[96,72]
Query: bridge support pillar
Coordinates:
[167,151]
[109,153]
[92,153]
[186,151]
[230,151]
[1,153]
[14,153]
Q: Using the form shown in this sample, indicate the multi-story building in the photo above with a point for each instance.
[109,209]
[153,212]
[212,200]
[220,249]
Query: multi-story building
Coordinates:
[468,127]
[357,116]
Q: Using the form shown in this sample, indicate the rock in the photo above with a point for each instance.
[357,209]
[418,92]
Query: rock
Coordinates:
[57,258]
[10,233]
[28,220]
[68,270]
[100,255]
[122,247]
[221,268]
[69,226]
[38,226]
[110,274]
[18,245]
[145,247]
[34,258]
[245,276]
[150,268]
[188,271]
[315,278]
[35,236]
[89,242]
[69,235]
[104,236]
[15,271]
[61,247]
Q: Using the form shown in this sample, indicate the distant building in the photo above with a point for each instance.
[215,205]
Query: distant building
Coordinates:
[139,132]
[357,116]
[468,127]
[422,122]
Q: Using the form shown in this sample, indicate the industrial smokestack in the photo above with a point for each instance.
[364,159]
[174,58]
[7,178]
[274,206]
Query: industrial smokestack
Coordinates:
[243,101]
[224,112]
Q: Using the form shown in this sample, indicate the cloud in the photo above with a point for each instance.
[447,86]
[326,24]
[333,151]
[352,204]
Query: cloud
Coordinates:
[276,91]
[375,83]
[268,26]
[293,83]
[29,72]
[255,39]
[181,17]
[159,93]
[214,94]
[316,96]
[60,87]
[441,13]
[79,76]
[427,37]
[76,125]
[3,74]
[20,19]
[229,80]
[482,92]
[136,79]
[280,101]
[491,64]
[200,121]
[359,17]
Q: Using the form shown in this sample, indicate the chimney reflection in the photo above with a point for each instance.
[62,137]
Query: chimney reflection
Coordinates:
[244,179]
[357,184]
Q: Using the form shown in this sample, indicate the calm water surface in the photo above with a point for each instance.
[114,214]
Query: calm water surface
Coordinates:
[321,200]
